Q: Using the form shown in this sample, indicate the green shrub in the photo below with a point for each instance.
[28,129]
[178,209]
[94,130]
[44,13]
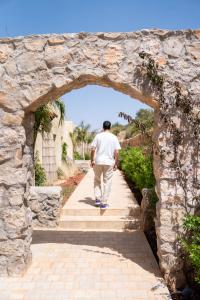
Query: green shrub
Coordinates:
[77,156]
[40,176]
[191,243]
[153,198]
[137,167]
[64,152]
[87,156]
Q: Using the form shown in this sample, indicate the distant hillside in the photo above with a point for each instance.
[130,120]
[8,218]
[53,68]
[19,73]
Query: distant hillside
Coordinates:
[144,116]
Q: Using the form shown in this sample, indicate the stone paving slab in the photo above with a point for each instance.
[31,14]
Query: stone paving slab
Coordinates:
[88,265]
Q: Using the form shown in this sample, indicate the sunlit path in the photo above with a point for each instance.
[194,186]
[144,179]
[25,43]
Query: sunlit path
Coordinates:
[79,213]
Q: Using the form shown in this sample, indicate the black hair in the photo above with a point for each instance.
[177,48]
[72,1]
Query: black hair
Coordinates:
[106,125]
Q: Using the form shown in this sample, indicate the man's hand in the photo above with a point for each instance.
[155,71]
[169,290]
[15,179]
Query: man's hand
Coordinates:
[92,163]
[116,157]
[92,157]
[115,167]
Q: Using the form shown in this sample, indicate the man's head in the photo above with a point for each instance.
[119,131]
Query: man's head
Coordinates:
[106,125]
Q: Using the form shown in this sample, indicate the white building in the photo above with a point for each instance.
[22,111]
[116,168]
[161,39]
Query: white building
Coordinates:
[49,150]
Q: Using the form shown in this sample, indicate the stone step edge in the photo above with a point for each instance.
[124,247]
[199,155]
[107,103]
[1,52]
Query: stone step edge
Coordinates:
[96,212]
[62,229]
[98,218]
[98,224]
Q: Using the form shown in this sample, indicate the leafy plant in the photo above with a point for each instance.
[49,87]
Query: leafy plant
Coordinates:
[40,176]
[153,198]
[142,124]
[87,156]
[43,120]
[117,128]
[138,167]
[191,243]
[81,136]
[77,156]
[44,116]
[61,107]
[64,152]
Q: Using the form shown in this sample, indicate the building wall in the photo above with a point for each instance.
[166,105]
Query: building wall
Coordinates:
[49,149]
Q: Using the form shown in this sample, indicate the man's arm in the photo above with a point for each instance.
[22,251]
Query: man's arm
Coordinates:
[116,157]
[92,157]
[93,149]
[116,153]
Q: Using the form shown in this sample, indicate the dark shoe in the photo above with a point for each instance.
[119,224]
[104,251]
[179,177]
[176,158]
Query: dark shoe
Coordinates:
[104,206]
[97,202]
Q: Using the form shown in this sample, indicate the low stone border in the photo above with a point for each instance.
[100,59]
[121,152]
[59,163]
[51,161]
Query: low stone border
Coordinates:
[45,204]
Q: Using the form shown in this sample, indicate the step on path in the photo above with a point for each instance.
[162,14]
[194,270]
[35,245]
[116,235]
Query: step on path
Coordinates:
[83,259]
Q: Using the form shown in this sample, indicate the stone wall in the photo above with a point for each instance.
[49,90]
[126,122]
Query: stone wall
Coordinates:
[147,210]
[136,141]
[36,69]
[45,203]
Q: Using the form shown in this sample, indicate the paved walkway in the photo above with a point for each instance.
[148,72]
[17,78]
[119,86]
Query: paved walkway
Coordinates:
[83,197]
[95,265]
[79,213]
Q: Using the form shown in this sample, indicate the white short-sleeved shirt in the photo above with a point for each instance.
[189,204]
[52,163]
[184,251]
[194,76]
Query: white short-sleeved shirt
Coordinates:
[105,144]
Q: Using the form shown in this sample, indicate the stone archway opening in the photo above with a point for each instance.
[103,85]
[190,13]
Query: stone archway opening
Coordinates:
[37,69]
[132,93]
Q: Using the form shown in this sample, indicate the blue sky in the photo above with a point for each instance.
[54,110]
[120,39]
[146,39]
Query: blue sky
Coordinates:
[94,104]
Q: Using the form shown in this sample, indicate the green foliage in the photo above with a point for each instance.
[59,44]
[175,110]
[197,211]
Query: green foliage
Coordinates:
[43,120]
[81,136]
[117,128]
[191,243]
[44,116]
[77,156]
[82,132]
[138,167]
[87,156]
[61,107]
[40,176]
[64,152]
[146,116]
[60,173]
[143,122]
[153,198]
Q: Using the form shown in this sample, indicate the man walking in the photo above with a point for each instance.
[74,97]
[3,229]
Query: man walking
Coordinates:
[104,159]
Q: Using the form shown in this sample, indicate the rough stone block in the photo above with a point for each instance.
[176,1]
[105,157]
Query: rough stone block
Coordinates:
[45,204]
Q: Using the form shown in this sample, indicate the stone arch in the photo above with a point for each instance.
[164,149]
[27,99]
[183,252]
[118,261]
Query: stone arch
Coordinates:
[36,69]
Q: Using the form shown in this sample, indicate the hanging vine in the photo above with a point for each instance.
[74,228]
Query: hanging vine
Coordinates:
[182,106]
[142,129]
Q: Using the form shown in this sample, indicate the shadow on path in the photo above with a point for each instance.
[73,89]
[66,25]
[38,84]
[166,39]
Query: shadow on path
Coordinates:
[88,200]
[126,245]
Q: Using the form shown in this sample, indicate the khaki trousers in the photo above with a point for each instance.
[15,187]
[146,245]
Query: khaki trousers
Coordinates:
[107,172]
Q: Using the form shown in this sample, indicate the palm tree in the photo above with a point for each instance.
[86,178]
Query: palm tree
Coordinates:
[74,140]
[81,135]
[60,105]
[89,139]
